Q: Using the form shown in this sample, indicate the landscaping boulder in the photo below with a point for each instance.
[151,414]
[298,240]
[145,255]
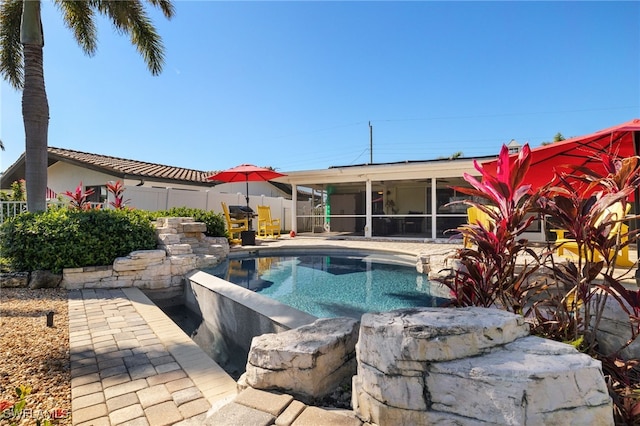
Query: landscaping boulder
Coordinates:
[308,362]
[14,279]
[44,279]
[472,366]
[616,329]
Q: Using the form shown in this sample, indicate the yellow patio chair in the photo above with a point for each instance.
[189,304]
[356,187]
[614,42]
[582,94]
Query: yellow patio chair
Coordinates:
[234,226]
[475,216]
[612,213]
[267,227]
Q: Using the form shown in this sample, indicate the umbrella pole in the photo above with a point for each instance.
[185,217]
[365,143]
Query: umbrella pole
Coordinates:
[247,197]
[636,202]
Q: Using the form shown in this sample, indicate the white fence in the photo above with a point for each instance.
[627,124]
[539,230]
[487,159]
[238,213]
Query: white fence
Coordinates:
[11,208]
[154,199]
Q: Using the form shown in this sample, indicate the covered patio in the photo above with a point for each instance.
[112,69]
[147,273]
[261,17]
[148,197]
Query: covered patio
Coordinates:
[401,200]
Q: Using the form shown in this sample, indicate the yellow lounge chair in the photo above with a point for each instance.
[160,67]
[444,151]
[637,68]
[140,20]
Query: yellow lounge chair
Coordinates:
[232,224]
[613,214]
[475,216]
[267,227]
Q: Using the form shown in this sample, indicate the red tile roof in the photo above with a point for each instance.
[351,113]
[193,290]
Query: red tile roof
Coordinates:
[118,167]
[130,169]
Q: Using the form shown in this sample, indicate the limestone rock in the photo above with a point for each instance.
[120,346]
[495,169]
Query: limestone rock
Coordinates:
[151,256]
[526,384]
[178,249]
[423,263]
[191,227]
[472,366]
[138,260]
[75,278]
[399,339]
[183,263]
[172,222]
[218,246]
[308,361]
[14,279]
[44,279]
[168,239]
[614,330]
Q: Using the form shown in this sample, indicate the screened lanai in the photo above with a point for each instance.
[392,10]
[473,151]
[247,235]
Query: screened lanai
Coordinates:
[405,200]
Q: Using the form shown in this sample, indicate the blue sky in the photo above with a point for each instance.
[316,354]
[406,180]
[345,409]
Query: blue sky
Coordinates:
[293,85]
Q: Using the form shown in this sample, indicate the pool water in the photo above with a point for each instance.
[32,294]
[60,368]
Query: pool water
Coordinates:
[332,286]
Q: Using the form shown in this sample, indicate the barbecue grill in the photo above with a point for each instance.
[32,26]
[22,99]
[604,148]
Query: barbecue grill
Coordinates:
[242,212]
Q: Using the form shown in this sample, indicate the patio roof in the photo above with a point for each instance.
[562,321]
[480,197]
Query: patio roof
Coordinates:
[405,170]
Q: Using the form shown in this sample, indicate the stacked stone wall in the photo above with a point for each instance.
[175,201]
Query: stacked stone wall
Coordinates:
[182,247]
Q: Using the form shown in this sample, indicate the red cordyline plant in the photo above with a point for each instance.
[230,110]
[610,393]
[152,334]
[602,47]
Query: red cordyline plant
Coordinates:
[566,301]
[117,189]
[487,274]
[588,206]
[79,198]
[583,203]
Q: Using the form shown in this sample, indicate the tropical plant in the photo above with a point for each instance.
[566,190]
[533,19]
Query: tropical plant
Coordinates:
[487,274]
[21,63]
[582,204]
[567,300]
[79,199]
[117,190]
[18,191]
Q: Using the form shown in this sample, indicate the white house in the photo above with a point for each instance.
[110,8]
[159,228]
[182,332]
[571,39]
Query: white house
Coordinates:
[410,199]
[67,168]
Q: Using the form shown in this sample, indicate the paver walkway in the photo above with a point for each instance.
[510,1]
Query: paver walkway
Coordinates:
[132,365]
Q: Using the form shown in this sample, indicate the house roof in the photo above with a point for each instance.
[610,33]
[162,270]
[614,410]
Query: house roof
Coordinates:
[119,167]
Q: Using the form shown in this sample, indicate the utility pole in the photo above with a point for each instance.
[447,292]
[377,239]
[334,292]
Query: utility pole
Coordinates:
[370,143]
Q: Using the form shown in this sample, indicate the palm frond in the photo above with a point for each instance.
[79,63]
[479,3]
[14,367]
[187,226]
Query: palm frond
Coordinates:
[11,56]
[79,17]
[117,11]
[130,17]
[147,41]
[165,6]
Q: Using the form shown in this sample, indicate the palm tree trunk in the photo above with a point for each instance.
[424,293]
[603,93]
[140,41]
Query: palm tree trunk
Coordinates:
[35,108]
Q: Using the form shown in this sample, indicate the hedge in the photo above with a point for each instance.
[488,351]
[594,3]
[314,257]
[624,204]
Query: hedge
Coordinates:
[63,238]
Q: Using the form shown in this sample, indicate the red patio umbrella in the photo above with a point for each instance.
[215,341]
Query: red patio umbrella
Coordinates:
[622,140]
[246,173]
[579,151]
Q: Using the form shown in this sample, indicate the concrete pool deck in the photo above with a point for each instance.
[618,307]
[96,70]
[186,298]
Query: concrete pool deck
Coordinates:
[132,365]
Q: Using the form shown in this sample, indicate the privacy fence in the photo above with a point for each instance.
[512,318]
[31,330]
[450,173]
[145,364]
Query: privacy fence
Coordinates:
[154,199]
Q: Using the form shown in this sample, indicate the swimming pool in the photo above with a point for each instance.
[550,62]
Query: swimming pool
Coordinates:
[332,285]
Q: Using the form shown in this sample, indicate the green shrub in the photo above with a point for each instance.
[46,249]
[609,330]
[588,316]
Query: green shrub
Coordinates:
[63,238]
[215,221]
